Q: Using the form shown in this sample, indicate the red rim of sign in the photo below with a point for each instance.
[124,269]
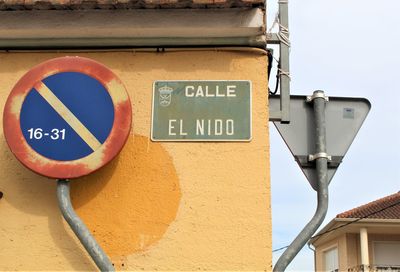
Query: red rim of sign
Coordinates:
[83,166]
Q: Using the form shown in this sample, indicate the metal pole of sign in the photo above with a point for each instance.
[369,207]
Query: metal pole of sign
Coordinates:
[284,48]
[321,158]
[283,40]
[81,231]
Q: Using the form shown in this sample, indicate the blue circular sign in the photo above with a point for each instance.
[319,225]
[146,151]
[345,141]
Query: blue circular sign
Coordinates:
[67,117]
[58,137]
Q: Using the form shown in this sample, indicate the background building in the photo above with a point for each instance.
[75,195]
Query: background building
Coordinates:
[366,238]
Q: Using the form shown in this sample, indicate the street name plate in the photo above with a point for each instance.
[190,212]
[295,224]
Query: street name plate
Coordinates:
[201,111]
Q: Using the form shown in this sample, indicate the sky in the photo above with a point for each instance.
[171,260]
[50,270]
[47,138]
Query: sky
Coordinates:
[348,48]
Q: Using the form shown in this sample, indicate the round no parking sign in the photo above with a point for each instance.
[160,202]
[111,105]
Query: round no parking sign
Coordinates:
[67,117]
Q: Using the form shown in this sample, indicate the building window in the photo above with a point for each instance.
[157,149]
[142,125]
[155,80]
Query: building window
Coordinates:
[331,259]
[387,254]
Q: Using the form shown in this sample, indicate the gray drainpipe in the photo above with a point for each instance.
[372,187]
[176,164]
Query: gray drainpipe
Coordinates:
[321,159]
[81,231]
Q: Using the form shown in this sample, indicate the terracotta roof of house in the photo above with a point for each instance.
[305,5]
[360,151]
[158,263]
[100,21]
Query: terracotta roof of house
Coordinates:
[384,208]
[124,4]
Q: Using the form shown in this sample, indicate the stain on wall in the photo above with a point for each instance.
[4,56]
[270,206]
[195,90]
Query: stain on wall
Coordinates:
[129,205]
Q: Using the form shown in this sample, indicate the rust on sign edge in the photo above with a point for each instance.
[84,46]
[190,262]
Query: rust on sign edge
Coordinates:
[83,166]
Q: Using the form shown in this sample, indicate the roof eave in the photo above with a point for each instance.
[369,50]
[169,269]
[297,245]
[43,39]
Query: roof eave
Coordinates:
[336,221]
[132,28]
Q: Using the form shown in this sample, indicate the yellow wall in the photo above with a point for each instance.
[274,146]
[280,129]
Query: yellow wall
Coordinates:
[158,206]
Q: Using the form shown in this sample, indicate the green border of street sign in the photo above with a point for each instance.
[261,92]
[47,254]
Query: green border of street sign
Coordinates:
[203,140]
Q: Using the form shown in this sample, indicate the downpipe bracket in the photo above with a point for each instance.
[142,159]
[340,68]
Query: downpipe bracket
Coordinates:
[317,94]
[320,155]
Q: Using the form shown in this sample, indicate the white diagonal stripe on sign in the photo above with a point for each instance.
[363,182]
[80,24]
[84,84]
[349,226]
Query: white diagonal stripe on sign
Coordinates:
[68,116]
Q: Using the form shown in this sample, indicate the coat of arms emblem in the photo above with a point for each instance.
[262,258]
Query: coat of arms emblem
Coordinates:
[165,95]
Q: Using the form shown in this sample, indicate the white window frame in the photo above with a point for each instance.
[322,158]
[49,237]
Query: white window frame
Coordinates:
[381,241]
[325,250]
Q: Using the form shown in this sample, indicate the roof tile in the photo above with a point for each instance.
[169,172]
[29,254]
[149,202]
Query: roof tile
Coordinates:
[384,208]
[124,4]
[16,4]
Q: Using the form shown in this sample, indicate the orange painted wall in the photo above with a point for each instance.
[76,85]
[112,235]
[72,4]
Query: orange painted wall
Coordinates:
[157,206]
